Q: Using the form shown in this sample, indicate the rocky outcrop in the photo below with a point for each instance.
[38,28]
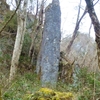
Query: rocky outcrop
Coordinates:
[50,48]
[83,51]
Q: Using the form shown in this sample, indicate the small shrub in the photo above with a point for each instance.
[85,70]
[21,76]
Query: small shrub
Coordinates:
[12,25]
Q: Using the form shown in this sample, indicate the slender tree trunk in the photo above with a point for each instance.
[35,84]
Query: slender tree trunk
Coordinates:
[90,28]
[21,15]
[33,36]
[35,25]
[96,26]
[76,28]
[38,23]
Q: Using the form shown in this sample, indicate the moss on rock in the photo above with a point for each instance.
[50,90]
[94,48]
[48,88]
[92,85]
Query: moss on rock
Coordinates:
[49,94]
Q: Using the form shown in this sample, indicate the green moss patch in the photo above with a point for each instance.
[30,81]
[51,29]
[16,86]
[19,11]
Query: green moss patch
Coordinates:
[49,94]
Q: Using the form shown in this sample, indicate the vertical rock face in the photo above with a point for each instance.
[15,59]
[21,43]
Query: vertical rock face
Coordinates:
[55,2]
[50,51]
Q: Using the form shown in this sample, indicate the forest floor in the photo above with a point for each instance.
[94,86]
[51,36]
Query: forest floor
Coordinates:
[87,86]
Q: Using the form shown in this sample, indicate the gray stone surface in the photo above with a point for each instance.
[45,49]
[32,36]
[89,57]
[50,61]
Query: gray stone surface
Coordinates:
[51,45]
[83,51]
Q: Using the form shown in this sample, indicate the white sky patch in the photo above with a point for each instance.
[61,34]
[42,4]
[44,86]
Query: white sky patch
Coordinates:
[69,10]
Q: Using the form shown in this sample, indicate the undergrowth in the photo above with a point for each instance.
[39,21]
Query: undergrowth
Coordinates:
[85,87]
[24,84]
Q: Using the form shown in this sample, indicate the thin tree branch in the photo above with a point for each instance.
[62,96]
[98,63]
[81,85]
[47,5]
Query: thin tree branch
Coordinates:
[37,8]
[13,4]
[10,17]
[96,2]
[78,13]
[75,30]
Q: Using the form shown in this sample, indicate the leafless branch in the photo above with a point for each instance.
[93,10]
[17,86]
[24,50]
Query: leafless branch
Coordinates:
[13,4]
[90,28]
[76,28]
[96,2]
[10,18]
[37,9]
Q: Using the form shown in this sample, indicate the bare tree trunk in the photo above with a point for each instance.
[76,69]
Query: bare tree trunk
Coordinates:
[90,28]
[33,36]
[37,29]
[96,26]
[21,15]
[76,28]
[35,25]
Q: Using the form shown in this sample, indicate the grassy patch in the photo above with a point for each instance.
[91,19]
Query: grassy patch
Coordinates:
[87,87]
[27,83]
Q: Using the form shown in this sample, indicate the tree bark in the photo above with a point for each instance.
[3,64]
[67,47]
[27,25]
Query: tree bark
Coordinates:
[38,24]
[76,28]
[96,26]
[50,47]
[21,15]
